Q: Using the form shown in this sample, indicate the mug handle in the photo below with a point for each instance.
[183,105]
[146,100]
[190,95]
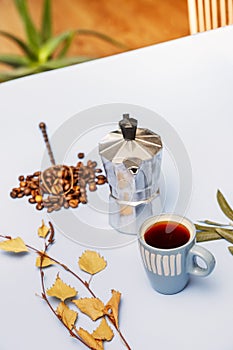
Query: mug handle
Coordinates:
[192,266]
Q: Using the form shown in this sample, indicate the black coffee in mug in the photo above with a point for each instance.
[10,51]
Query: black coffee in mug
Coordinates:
[166,235]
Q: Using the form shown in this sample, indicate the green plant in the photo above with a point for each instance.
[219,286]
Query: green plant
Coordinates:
[42,51]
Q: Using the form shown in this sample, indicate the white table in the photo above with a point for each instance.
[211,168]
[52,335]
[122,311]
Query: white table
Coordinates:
[190,83]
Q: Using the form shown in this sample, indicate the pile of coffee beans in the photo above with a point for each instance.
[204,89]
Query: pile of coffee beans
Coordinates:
[60,185]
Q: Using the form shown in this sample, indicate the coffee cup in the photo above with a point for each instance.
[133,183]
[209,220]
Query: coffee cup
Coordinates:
[169,253]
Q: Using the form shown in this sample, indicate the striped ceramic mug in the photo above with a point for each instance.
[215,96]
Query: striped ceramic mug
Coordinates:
[169,269]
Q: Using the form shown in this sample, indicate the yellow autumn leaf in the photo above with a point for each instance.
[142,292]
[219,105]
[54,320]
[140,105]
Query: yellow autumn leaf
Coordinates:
[103,332]
[91,262]
[45,262]
[15,245]
[112,307]
[92,307]
[61,290]
[67,315]
[43,230]
[90,340]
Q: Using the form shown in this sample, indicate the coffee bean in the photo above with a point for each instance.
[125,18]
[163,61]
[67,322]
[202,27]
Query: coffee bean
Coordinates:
[69,197]
[32,200]
[13,194]
[101,177]
[83,199]
[16,189]
[66,187]
[33,193]
[73,203]
[81,155]
[92,187]
[60,185]
[94,164]
[20,195]
[38,198]
[56,181]
[37,173]
[100,181]
[56,189]
[33,186]
[27,191]
[39,206]
[56,206]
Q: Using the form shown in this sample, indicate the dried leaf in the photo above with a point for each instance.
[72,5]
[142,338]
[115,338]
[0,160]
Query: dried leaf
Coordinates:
[231,249]
[103,332]
[93,307]
[224,205]
[46,262]
[67,315]
[112,307]
[91,262]
[90,340]
[61,290]
[225,233]
[43,230]
[15,245]
[207,236]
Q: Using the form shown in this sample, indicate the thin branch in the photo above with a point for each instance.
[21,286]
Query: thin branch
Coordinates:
[84,283]
[44,296]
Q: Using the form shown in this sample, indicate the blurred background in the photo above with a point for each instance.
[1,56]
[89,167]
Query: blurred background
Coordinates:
[135,23]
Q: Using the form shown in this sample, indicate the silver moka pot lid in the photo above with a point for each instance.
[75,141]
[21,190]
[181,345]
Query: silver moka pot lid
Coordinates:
[144,144]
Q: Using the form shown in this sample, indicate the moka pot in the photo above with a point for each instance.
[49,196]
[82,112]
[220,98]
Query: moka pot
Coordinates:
[132,161]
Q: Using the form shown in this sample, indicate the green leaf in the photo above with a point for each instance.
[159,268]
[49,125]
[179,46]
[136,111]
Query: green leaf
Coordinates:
[17,73]
[66,46]
[33,36]
[19,42]
[225,233]
[205,228]
[63,62]
[207,236]
[102,37]
[224,205]
[214,223]
[14,60]
[51,45]
[46,26]
[201,227]
[230,248]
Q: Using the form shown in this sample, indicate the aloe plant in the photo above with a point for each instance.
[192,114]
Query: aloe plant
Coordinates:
[43,51]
